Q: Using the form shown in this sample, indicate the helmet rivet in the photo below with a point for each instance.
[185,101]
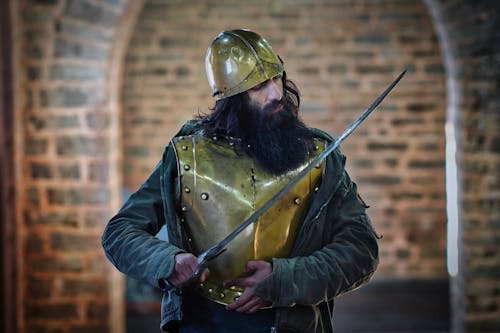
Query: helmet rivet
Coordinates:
[187,189]
[297,201]
[316,189]
[184,208]
[214,138]
[184,148]
[222,295]
[210,290]
[204,196]
[186,167]
[318,166]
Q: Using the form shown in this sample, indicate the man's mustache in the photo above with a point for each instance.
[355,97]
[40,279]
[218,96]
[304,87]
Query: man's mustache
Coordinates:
[269,108]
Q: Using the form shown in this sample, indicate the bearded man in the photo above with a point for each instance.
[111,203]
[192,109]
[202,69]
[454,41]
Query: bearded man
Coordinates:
[283,272]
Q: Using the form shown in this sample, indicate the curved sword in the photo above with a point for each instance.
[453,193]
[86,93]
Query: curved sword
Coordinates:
[217,249]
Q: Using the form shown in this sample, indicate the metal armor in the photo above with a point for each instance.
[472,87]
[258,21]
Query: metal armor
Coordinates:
[220,187]
[238,60]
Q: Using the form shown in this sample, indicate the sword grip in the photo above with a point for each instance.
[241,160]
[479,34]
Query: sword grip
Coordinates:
[195,275]
[203,260]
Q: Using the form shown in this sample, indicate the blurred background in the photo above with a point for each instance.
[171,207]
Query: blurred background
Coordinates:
[93,90]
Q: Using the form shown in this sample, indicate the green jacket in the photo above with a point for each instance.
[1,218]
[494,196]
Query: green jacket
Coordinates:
[335,251]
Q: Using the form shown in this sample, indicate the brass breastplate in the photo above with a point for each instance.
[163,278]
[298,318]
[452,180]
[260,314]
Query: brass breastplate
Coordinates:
[220,187]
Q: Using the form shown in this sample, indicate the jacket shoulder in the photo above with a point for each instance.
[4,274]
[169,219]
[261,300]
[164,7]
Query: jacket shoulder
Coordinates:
[337,154]
[190,127]
[321,134]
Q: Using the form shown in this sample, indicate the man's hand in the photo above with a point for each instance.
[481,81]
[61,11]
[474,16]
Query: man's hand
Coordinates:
[185,265]
[248,302]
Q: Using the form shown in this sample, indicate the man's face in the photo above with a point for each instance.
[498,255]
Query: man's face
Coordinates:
[267,95]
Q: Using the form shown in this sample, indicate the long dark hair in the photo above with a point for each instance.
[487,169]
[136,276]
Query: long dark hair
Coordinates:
[225,116]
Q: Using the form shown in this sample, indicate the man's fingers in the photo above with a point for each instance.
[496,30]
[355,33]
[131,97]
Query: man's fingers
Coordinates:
[245,297]
[248,301]
[250,304]
[240,282]
[204,275]
[185,265]
[255,308]
[189,263]
[251,265]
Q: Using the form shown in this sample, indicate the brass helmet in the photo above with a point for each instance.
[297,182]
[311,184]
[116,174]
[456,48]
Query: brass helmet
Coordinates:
[238,60]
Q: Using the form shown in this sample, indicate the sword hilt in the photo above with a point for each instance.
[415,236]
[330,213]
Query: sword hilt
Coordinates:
[203,260]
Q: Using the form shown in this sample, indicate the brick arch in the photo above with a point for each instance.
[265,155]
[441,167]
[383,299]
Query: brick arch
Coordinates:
[468,37]
[67,109]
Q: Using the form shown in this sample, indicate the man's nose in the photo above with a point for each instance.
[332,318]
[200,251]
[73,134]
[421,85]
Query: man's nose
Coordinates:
[274,91]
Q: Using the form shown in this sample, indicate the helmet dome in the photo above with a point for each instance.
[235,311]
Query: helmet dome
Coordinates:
[238,60]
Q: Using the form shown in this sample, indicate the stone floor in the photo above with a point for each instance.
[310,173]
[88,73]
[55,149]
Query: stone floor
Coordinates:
[383,306]
[394,306]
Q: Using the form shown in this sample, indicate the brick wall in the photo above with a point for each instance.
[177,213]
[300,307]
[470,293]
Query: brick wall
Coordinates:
[341,55]
[67,147]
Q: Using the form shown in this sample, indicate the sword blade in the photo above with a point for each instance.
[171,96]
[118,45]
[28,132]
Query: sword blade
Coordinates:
[218,248]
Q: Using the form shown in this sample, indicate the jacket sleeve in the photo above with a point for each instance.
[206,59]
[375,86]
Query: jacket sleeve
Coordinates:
[128,239]
[347,259]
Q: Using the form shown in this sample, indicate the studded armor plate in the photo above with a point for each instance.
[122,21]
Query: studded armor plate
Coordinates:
[220,187]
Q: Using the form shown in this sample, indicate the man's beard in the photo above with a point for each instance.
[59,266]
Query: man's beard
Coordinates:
[277,141]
